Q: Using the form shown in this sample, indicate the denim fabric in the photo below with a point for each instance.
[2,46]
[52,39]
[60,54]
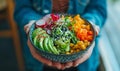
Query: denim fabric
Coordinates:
[27,10]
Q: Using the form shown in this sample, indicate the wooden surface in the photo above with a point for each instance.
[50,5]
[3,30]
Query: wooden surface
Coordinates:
[13,33]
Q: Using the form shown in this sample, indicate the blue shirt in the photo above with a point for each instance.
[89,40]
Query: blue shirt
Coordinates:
[27,10]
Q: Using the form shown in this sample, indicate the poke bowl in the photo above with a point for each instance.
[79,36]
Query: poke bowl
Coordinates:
[62,37]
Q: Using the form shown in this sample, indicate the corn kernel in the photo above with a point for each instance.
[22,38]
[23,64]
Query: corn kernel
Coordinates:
[88,43]
[67,52]
[71,44]
[85,41]
[80,42]
[77,50]
[71,51]
[83,47]
[88,27]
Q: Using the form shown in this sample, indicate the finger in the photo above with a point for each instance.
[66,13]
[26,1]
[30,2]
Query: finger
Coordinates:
[97,29]
[68,64]
[57,65]
[63,67]
[92,46]
[81,59]
[27,26]
[37,56]
[84,57]
[27,30]
[77,62]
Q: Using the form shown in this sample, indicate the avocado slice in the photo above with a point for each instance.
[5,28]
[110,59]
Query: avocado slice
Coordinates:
[36,32]
[36,41]
[41,43]
[45,44]
[52,47]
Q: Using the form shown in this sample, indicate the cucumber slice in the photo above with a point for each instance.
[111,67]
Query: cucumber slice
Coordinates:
[45,44]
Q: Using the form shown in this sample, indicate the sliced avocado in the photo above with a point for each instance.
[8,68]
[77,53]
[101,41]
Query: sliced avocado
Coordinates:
[54,48]
[45,35]
[35,41]
[41,43]
[36,32]
[51,47]
[45,44]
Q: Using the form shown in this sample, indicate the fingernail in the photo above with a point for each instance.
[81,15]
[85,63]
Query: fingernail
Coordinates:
[76,65]
[49,64]
[67,66]
[58,67]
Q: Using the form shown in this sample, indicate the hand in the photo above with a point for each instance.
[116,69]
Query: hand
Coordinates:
[36,55]
[96,27]
[45,61]
[80,59]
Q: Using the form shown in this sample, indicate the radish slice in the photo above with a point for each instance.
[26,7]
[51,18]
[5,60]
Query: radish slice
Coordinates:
[41,23]
[46,17]
[54,17]
[47,22]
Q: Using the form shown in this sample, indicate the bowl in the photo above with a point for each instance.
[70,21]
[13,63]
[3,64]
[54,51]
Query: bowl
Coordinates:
[63,58]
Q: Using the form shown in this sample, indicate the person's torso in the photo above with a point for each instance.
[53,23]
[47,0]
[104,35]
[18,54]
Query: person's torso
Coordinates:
[45,6]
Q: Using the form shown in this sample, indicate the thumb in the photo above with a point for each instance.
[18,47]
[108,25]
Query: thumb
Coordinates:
[27,26]
[97,29]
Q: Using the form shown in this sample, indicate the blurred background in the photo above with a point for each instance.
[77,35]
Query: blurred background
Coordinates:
[10,48]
